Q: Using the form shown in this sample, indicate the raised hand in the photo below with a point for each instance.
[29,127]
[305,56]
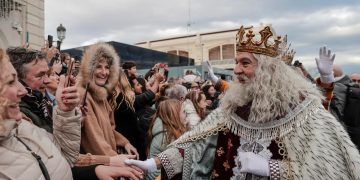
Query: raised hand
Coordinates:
[159,77]
[325,65]
[210,70]
[67,97]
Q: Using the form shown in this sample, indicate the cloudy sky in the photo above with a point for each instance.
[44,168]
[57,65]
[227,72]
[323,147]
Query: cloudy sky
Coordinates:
[308,23]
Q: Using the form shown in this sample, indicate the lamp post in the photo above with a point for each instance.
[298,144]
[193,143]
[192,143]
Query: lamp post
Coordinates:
[61,31]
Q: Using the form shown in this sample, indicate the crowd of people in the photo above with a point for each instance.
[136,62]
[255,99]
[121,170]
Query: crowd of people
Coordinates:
[96,118]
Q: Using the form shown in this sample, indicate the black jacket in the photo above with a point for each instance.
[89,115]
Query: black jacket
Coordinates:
[126,121]
[144,112]
[337,104]
[38,108]
[128,124]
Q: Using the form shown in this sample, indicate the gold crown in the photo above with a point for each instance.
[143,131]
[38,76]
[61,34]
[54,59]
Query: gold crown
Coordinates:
[261,40]
[288,56]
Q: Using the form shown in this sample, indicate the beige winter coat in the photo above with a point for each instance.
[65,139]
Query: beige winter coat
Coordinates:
[58,151]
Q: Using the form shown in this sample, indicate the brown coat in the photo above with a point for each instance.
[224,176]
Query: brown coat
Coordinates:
[98,135]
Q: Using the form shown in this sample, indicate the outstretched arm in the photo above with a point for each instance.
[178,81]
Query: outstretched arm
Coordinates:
[171,160]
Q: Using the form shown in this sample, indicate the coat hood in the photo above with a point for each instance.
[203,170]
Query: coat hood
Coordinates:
[89,61]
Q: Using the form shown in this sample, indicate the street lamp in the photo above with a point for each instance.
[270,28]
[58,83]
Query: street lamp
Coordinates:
[61,30]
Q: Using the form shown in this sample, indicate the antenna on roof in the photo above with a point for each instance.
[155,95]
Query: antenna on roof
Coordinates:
[188,31]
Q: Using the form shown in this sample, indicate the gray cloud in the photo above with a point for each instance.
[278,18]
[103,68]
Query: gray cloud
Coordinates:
[309,24]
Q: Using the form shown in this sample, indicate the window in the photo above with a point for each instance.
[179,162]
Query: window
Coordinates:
[172,52]
[228,51]
[183,53]
[214,53]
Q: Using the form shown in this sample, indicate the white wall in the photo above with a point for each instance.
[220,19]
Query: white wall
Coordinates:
[15,25]
[197,45]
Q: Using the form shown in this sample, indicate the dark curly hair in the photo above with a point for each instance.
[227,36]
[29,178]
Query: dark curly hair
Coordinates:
[20,56]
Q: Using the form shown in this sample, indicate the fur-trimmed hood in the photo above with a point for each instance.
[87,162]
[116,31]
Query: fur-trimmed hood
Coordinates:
[88,64]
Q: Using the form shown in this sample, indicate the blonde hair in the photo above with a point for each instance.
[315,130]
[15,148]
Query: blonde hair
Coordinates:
[195,97]
[123,86]
[169,113]
[4,59]
[274,91]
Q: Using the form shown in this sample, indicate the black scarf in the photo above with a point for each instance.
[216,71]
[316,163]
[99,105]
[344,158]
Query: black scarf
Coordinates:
[38,102]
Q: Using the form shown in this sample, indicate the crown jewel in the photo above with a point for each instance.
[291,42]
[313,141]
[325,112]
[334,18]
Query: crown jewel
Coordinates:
[262,40]
[288,55]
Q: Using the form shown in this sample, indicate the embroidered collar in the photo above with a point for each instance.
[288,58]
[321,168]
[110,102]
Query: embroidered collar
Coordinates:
[272,129]
[219,120]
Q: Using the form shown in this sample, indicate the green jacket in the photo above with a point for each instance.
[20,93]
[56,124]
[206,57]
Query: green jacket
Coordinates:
[157,145]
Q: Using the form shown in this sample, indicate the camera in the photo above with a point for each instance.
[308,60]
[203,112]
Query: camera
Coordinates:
[297,63]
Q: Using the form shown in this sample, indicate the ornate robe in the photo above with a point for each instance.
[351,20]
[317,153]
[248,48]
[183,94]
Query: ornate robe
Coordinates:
[313,145]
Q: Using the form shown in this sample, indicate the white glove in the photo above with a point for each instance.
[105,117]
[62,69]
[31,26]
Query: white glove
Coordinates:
[325,65]
[254,164]
[148,165]
[213,78]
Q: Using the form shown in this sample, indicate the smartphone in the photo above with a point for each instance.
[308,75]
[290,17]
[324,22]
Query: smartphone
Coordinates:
[50,40]
[69,72]
[86,91]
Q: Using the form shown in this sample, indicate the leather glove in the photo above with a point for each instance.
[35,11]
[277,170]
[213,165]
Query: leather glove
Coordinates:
[254,164]
[325,65]
[210,70]
[148,165]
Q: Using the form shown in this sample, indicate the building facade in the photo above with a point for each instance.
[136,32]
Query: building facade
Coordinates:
[21,22]
[218,47]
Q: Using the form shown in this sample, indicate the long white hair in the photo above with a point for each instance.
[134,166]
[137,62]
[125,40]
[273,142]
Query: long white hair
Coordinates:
[275,89]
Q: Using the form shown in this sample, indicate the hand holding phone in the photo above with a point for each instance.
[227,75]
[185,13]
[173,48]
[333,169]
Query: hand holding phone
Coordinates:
[69,72]
[83,104]
[50,40]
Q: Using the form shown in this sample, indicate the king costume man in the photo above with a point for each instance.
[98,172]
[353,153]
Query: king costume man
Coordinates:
[271,124]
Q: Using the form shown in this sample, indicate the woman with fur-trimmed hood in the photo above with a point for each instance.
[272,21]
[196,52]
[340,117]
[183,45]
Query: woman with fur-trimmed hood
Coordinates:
[100,70]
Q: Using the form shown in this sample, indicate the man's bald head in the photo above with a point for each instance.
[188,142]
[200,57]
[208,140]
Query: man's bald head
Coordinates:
[355,77]
[337,70]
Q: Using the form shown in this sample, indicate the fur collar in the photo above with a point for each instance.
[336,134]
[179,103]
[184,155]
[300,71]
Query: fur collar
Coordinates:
[88,63]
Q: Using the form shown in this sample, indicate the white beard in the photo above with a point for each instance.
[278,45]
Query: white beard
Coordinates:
[238,94]
[274,90]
